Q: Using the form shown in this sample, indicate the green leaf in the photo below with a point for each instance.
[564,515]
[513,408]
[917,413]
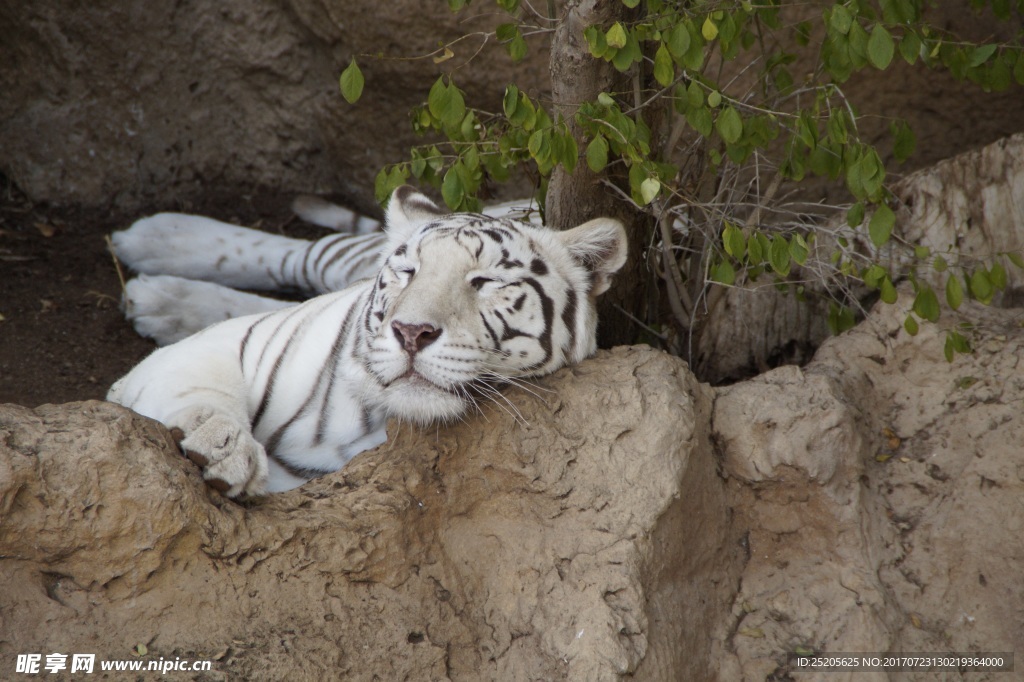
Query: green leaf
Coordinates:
[880,227]
[596,41]
[922,252]
[701,120]
[939,264]
[955,343]
[446,103]
[597,154]
[779,255]
[616,36]
[910,47]
[729,125]
[628,55]
[954,292]
[714,99]
[888,292]
[798,250]
[855,216]
[570,153]
[723,273]
[451,188]
[981,286]
[903,142]
[511,100]
[997,274]
[734,242]
[664,67]
[506,31]
[873,276]
[880,47]
[517,48]
[840,318]
[910,324]
[352,82]
[754,251]
[649,189]
[678,40]
[926,304]
[1016,258]
[538,146]
[981,54]
[709,30]
[841,20]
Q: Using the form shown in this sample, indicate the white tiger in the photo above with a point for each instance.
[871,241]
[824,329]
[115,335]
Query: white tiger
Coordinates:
[463,302]
[191,266]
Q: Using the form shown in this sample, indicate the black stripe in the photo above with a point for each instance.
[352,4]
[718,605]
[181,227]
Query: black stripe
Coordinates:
[369,244]
[301,472]
[490,331]
[325,245]
[548,307]
[569,317]
[272,379]
[510,332]
[332,372]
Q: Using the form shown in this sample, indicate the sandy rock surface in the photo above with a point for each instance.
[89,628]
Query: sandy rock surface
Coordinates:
[622,520]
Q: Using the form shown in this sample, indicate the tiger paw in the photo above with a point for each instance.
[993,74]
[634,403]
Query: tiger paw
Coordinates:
[164,308]
[233,462]
[167,308]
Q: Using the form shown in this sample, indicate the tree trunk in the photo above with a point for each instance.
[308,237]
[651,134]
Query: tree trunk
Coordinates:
[577,77]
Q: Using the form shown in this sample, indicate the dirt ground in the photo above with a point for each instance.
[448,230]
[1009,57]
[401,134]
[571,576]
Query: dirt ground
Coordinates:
[62,335]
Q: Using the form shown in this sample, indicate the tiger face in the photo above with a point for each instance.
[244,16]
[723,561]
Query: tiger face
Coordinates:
[468,301]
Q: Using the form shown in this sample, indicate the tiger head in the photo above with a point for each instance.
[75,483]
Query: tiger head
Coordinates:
[465,301]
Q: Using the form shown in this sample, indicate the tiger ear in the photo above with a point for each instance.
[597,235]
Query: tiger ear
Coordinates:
[407,211]
[600,246]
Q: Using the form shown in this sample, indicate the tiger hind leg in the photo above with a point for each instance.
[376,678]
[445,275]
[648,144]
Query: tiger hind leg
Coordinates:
[167,309]
[201,248]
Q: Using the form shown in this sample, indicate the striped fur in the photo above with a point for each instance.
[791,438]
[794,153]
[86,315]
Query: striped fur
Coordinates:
[462,303]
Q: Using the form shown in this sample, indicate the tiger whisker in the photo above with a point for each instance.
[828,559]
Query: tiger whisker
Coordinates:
[493,394]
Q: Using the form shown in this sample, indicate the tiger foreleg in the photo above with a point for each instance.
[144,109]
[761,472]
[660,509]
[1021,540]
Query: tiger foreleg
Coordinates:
[232,461]
[197,390]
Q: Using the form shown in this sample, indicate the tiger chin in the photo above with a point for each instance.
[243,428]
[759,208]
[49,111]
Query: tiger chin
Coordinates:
[461,304]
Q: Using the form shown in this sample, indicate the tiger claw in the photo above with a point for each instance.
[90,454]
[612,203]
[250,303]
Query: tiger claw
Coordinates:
[197,459]
[219,484]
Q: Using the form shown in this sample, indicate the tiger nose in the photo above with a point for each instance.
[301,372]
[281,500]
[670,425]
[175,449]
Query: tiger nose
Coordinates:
[415,337]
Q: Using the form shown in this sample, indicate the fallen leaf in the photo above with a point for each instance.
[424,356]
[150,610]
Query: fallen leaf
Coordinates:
[448,54]
[892,439]
[46,229]
[46,305]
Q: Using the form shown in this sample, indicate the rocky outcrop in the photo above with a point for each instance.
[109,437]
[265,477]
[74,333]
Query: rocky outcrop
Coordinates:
[525,544]
[616,519]
[969,209]
[134,102]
